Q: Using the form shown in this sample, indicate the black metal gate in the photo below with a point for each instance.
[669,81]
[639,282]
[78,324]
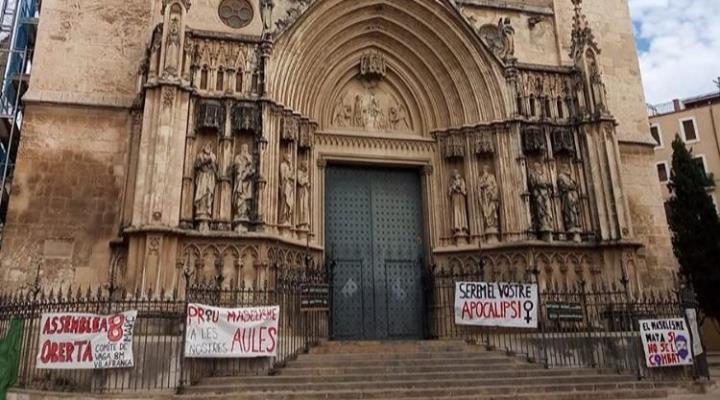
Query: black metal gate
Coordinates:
[374,236]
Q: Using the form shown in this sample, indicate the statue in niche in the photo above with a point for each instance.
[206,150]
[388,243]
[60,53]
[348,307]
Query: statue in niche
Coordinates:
[287,191]
[303,194]
[540,192]
[172,44]
[358,121]
[266,7]
[458,196]
[489,200]
[398,118]
[243,171]
[596,84]
[570,199]
[250,67]
[187,63]
[206,170]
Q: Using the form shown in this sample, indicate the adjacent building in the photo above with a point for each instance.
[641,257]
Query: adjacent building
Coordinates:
[697,121]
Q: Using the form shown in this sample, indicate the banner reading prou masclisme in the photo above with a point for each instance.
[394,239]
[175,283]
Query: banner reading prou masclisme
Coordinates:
[214,332]
[500,304]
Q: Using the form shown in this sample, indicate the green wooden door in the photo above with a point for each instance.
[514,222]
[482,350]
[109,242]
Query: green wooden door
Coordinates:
[374,235]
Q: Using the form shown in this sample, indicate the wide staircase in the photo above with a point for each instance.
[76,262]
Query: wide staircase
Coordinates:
[425,370]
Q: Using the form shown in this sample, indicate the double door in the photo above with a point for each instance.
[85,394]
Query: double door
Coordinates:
[374,236]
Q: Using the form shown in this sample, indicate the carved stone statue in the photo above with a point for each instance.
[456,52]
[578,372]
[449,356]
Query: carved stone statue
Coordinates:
[398,118]
[489,200]
[358,121]
[243,171]
[458,196]
[499,38]
[570,199]
[303,194]
[206,169]
[540,192]
[341,114]
[188,57]
[266,9]
[172,44]
[507,36]
[250,67]
[287,191]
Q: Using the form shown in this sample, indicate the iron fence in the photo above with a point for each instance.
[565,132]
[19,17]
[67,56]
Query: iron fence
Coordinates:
[579,324]
[158,340]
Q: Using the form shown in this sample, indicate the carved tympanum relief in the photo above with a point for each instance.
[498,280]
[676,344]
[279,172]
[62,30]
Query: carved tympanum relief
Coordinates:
[371,109]
[368,102]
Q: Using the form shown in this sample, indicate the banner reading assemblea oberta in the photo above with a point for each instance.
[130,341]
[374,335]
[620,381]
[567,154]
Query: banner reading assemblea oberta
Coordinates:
[214,332]
[511,305]
[86,341]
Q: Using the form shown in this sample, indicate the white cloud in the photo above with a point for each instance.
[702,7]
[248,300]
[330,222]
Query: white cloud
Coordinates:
[679,44]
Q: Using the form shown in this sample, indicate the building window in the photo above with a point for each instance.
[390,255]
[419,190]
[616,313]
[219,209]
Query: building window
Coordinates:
[657,135]
[663,173]
[688,127]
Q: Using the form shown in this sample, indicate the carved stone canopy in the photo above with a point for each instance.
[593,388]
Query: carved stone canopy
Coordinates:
[373,66]
[484,145]
[290,127]
[563,141]
[533,139]
[307,134]
[210,115]
[246,118]
[186,3]
[454,146]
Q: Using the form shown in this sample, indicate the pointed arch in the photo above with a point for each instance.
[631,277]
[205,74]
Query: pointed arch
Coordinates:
[434,57]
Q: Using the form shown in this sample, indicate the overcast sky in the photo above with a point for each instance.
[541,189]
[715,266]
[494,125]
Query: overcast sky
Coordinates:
[679,45]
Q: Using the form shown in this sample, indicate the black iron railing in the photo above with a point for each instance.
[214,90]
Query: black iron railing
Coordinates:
[579,324]
[158,340]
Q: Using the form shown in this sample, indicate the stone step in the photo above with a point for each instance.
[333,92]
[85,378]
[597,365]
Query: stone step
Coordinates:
[469,390]
[410,361]
[425,376]
[395,346]
[407,384]
[382,369]
[714,359]
[456,354]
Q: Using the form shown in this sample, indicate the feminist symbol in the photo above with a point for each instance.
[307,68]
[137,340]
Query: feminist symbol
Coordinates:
[528,306]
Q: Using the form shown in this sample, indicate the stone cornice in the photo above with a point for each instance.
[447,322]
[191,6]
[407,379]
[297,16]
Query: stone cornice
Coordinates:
[540,245]
[494,4]
[375,142]
[35,96]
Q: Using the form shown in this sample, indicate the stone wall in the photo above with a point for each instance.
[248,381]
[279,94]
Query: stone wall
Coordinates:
[648,213]
[70,175]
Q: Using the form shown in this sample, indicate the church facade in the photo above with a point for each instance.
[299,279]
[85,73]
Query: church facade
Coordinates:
[228,136]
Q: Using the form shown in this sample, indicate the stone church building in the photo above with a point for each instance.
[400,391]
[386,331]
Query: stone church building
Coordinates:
[227,136]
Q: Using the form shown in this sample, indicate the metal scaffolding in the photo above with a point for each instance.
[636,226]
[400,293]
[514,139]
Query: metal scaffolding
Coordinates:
[18,31]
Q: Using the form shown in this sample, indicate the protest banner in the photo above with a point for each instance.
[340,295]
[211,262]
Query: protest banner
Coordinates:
[667,342]
[86,341]
[214,332]
[511,305]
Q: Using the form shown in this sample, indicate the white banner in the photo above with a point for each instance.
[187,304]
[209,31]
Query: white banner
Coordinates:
[667,342]
[512,305]
[691,315]
[86,341]
[214,332]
